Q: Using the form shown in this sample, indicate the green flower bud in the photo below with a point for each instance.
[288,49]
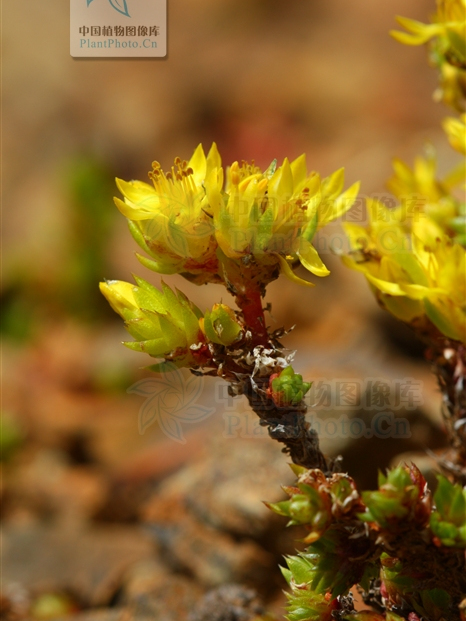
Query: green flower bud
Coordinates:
[448,522]
[301,509]
[288,388]
[305,602]
[402,495]
[221,326]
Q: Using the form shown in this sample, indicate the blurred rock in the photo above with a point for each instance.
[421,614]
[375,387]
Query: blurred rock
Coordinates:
[150,592]
[226,487]
[211,556]
[108,614]
[46,484]
[230,602]
[88,563]
[14,602]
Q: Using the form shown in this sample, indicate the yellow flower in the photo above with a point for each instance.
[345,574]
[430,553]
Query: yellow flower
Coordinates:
[190,224]
[169,221]
[421,193]
[271,217]
[414,276]
[447,34]
[443,287]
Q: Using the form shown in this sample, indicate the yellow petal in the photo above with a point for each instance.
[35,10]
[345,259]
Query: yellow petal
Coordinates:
[135,212]
[419,292]
[333,185]
[299,172]
[288,272]
[213,159]
[420,33]
[340,206]
[214,193]
[386,287]
[198,164]
[137,192]
[281,183]
[310,259]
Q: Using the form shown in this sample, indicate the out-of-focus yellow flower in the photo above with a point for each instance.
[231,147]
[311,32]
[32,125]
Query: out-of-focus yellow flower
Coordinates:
[414,276]
[169,220]
[449,18]
[456,132]
[190,224]
[165,324]
[421,193]
[447,34]
[419,180]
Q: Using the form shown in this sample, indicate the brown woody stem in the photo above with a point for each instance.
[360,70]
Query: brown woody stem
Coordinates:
[449,364]
[289,426]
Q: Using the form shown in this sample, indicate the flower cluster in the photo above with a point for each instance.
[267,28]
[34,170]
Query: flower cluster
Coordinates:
[190,222]
[416,275]
[414,256]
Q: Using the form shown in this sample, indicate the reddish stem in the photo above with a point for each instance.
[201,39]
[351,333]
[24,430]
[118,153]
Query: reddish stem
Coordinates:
[250,304]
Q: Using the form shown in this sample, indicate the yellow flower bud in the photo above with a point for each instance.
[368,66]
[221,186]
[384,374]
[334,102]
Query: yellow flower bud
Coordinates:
[165,324]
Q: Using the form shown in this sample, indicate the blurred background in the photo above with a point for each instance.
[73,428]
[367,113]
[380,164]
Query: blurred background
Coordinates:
[96,514]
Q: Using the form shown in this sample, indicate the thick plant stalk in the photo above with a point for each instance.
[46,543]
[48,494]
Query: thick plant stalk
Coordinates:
[289,426]
[449,364]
